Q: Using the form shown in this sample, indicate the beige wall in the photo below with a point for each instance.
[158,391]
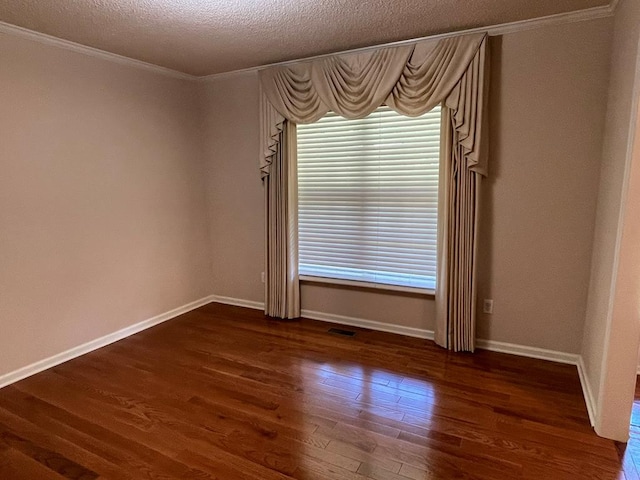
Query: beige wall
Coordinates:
[609,346]
[549,96]
[102,200]
[548,107]
[235,195]
[125,193]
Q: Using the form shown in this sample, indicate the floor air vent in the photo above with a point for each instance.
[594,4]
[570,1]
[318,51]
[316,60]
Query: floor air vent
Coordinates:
[344,333]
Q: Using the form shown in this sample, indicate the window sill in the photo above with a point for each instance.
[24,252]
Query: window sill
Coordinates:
[375,286]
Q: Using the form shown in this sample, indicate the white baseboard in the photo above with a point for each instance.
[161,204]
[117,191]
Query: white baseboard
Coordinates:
[238,302]
[521,350]
[491,345]
[74,352]
[330,317]
[526,351]
[370,324]
[587,393]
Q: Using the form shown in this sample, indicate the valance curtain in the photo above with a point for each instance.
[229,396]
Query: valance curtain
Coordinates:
[411,79]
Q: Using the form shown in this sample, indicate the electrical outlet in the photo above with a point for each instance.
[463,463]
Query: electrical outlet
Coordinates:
[262,277]
[487,305]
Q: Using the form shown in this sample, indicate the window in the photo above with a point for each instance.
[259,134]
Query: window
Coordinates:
[368,198]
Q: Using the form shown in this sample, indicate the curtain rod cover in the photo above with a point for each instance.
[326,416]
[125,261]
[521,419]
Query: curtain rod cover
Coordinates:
[411,79]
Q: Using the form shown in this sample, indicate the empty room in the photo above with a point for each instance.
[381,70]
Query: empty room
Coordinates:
[319,240]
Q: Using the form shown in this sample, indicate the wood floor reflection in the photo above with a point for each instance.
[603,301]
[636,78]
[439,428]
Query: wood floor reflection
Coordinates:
[223,393]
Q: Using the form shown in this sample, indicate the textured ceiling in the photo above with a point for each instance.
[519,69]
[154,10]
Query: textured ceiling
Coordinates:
[203,37]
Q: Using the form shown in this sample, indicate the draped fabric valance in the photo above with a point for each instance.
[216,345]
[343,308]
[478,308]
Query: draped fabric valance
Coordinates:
[411,79]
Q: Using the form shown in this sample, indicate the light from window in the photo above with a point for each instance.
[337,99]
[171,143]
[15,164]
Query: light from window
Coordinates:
[368,198]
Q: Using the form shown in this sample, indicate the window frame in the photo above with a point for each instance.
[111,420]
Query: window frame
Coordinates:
[318,279]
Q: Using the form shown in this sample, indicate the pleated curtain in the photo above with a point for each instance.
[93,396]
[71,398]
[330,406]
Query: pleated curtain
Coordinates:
[411,79]
[282,288]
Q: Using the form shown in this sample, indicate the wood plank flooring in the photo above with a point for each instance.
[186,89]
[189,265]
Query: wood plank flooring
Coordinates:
[224,393]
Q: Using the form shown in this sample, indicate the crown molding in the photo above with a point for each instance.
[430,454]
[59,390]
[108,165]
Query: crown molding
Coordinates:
[494,30]
[8,29]
[558,19]
[244,71]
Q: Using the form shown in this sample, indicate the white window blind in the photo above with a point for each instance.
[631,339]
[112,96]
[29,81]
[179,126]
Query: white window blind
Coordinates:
[368,198]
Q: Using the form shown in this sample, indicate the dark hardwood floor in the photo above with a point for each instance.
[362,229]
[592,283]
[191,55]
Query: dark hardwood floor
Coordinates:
[223,393]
